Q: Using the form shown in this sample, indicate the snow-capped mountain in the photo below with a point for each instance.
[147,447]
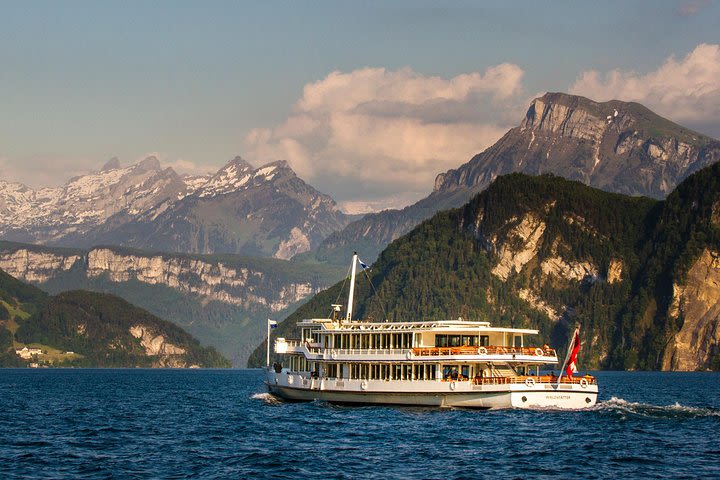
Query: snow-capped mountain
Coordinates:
[267,211]
[84,202]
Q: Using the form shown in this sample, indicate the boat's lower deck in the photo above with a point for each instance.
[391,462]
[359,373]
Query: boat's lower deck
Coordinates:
[436,393]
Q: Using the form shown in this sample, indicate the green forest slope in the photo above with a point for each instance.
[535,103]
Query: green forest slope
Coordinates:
[607,261]
[80,328]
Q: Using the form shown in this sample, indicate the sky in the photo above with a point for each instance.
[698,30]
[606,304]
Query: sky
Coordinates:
[367,101]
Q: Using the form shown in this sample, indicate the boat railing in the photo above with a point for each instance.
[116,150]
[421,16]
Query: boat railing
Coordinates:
[368,351]
[526,379]
[317,348]
[488,350]
[427,351]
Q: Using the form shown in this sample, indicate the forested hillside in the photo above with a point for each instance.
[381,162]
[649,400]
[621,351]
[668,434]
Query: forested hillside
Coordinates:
[81,328]
[544,252]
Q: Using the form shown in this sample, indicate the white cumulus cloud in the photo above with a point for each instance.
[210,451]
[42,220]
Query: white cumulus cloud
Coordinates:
[686,90]
[376,133]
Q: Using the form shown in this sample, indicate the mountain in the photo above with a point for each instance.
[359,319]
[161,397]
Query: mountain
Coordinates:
[88,329]
[223,300]
[267,211]
[641,276]
[52,215]
[615,146]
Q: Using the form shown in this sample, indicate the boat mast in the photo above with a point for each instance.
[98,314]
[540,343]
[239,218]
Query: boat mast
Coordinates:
[348,316]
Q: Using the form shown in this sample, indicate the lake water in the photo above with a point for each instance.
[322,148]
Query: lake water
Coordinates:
[220,424]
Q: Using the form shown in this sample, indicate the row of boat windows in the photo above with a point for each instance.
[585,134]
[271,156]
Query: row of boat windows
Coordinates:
[365,371]
[461,340]
[392,371]
[395,340]
[368,371]
[366,340]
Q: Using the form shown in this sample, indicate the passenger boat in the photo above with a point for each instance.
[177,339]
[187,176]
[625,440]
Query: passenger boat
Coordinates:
[447,363]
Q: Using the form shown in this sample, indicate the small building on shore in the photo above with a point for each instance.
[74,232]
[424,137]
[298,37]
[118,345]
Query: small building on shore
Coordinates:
[27,353]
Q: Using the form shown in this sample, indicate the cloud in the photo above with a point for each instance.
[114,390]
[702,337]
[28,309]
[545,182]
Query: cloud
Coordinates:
[688,9]
[373,133]
[43,171]
[685,90]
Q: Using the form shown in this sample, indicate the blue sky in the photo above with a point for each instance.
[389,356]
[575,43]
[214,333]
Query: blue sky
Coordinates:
[200,82]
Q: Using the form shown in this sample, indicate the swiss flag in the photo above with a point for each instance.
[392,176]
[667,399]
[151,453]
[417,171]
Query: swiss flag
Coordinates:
[575,348]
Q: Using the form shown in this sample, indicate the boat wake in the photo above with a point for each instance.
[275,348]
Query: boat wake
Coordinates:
[624,408]
[266,398]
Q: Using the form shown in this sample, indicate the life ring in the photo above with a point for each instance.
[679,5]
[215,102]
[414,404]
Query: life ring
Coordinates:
[290,380]
[363,385]
[482,351]
[583,383]
[453,385]
[529,382]
[409,355]
[539,352]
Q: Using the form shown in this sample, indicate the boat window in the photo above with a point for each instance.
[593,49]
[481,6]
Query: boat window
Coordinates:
[441,341]
[484,340]
[465,371]
[469,340]
[450,372]
[518,341]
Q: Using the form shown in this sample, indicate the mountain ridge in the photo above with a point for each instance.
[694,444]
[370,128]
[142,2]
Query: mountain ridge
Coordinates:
[634,152]
[267,211]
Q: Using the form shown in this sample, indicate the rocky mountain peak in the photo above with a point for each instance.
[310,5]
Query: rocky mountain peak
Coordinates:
[111,164]
[616,146]
[275,170]
[149,164]
[239,163]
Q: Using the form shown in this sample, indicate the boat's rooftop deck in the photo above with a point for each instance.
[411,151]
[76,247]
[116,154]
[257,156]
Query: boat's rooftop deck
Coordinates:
[458,325]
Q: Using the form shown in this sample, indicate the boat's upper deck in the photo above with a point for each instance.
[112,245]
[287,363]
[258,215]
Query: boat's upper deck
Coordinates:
[458,326]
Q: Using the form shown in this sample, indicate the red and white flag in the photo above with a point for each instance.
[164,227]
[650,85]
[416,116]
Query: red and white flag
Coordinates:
[574,349]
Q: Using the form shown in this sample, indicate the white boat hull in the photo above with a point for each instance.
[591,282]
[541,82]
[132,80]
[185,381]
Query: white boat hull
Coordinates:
[465,394]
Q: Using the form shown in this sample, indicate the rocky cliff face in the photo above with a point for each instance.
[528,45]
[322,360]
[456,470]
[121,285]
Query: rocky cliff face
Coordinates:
[223,301]
[205,279]
[696,303]
[165,354]
[615,146]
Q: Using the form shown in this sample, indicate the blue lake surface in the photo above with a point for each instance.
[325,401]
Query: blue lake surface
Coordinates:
[221,424]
